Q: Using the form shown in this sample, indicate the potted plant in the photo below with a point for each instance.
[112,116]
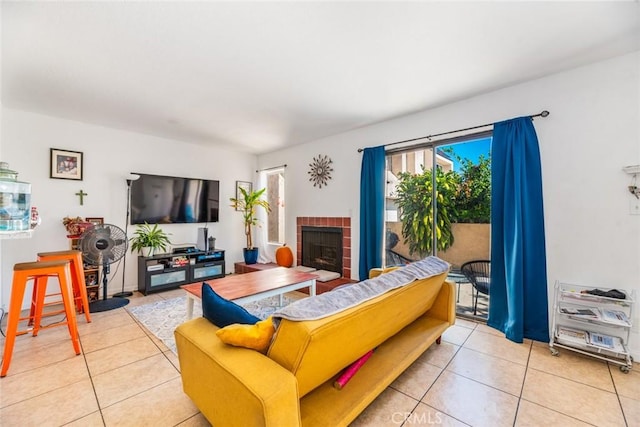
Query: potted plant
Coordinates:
[148,238]
[414,201]
[247,204]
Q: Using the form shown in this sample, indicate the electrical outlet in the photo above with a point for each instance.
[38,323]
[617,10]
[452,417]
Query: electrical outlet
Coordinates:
[634,206]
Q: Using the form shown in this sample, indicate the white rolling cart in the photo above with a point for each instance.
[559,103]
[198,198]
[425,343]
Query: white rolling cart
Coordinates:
[595,325]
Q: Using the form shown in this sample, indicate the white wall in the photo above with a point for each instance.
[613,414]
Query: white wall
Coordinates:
[109,156]
[592,132]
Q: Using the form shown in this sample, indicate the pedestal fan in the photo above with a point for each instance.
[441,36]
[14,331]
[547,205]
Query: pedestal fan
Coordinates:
[102,245]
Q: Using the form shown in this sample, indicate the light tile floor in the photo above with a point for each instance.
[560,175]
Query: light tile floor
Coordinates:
[126,377]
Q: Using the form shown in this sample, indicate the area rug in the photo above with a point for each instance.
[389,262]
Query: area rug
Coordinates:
[161,318]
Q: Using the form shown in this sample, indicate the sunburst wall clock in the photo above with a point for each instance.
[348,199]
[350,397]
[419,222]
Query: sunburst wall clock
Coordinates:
[320,170]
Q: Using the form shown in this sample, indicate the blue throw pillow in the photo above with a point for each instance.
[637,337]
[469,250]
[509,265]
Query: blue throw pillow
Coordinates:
[222,312]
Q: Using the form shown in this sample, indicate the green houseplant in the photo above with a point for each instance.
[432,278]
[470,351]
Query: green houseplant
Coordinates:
[472,199]
[148,238]
[414,200]
[247,203]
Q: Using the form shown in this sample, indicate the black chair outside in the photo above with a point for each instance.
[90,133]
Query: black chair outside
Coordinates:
[479,274]
[393,258]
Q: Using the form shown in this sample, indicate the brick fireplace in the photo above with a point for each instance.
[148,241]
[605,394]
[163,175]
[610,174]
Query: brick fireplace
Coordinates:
[343,223]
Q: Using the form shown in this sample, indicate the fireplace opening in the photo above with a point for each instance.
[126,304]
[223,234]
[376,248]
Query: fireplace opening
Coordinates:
[322,248]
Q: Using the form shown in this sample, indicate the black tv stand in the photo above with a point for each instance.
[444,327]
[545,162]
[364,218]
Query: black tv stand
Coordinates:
[169,271]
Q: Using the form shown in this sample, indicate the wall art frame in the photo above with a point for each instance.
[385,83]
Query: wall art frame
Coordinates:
[95,220]
[66,164]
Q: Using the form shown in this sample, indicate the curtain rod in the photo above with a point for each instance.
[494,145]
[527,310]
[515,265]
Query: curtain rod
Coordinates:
[271,168]
[544,113]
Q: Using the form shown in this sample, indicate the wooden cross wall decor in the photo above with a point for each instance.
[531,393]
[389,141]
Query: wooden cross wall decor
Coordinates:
[81,194]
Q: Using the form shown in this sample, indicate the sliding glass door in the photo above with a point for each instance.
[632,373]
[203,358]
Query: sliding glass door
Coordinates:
[456,227]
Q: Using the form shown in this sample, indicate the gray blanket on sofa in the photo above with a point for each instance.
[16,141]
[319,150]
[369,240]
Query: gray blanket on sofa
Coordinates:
[349,296]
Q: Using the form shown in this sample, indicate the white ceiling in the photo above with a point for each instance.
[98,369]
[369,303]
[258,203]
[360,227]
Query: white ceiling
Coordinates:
[265,75]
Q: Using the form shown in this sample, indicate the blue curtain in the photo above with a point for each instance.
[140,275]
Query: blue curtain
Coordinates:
[372,191]
[518,294]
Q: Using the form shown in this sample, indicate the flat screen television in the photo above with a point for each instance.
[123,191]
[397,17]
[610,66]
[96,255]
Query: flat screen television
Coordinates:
[158,199]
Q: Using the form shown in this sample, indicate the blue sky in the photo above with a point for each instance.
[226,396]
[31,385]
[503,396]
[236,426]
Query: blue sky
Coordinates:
[471,150]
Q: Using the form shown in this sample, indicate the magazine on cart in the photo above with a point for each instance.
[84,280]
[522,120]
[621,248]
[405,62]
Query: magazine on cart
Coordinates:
[606,341]
[600,340]
[615,316]
[573,335]
[585,313]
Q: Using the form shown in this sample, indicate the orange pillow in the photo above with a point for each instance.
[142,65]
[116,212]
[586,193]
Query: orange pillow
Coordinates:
[255,337]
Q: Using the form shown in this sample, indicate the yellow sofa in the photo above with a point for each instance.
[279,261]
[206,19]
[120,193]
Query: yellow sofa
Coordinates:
[292,385]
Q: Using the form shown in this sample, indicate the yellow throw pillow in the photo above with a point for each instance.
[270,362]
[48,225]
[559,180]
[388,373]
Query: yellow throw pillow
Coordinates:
[256,337]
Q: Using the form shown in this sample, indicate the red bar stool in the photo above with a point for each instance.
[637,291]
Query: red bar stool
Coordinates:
[39,272]
[80,297]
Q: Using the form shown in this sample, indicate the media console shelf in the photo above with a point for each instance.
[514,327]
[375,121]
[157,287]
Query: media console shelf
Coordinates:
[170,271]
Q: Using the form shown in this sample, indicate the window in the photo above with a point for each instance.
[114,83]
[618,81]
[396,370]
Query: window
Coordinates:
[276,199]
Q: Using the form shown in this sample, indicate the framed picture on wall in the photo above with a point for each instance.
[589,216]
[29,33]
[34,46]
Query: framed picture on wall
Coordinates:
[65,164]
[95,220]
[248,186]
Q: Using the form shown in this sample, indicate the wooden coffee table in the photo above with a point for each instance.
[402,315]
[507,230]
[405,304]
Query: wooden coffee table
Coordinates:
[249,287]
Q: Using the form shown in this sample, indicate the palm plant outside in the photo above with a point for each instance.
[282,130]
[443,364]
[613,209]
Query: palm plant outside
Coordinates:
[414,192]
[463,197]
